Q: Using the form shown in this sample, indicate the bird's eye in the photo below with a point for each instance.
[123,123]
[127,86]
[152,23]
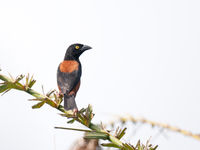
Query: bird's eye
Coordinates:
[77,47]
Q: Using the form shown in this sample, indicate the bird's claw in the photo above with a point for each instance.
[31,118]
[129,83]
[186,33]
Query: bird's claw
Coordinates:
[59,94]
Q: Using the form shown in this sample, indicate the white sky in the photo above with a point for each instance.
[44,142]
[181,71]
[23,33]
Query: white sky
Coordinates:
[144,62]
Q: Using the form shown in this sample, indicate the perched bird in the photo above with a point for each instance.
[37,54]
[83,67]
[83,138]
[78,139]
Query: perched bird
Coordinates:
[69,74]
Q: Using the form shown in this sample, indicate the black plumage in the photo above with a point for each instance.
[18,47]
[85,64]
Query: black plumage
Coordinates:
[69,74]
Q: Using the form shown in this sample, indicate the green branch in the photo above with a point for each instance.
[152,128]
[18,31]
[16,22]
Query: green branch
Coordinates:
[84,116]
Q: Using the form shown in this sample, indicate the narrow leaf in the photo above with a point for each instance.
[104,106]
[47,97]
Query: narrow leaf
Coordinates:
[3,88]
[128,147]
[6,91]
[71,121]
[82,110]
[154,148]
[31,83]
[37,99]
[50,92]
[31,78]
[5,78]
[82,130]
[110,145]
[121,134]
[27,79]
[96,135]
[68,115]
[138,144]
[50,102]
[11,77]
[38,105]
[81,118]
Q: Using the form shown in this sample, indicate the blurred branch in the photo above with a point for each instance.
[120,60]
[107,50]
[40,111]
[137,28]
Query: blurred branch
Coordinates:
[86,144]
[84,116]
[158,124]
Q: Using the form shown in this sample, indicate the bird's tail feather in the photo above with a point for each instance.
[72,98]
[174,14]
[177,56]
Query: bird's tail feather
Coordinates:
[69,102]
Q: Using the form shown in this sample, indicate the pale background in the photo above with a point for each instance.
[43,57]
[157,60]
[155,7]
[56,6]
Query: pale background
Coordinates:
[144,62]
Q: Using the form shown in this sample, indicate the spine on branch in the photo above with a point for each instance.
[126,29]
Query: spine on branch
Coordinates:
[84,116]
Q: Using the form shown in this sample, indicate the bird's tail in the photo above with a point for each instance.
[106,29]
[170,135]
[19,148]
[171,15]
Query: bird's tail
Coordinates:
[69,102]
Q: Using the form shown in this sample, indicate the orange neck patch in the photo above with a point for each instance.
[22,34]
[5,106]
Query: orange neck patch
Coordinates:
[69,66]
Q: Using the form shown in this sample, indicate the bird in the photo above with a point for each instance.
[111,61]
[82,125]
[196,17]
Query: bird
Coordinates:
[69,74]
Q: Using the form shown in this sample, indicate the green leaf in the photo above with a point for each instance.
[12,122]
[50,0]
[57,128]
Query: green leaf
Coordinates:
[3,88]
[5,78]
[75,129]
[31,83]
[38,105]
[82,118]
[121,133]
[68,114]
[96,135]
[27,80]
[138,144]
[50,92]
[140,147]
[82,110]
[71,121]
[128,147]
[37,99]
[50,102]
[154,148]
[110,145]
[87,117]
[31,78]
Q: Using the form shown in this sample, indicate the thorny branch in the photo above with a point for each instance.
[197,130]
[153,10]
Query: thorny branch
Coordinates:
[84,116]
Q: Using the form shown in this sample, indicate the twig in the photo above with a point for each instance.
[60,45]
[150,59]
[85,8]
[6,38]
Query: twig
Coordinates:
[84,116]
[158,124]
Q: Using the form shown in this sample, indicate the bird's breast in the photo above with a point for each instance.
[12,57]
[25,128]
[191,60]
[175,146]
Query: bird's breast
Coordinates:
[69,66]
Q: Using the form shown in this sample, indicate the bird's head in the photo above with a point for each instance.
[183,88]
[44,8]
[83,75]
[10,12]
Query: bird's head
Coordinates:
[75,50]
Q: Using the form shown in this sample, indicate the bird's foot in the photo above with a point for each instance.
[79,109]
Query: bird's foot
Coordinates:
[75,111]
[59,94]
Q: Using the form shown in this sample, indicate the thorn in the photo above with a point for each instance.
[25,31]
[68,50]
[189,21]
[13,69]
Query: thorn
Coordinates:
[43,90]
[5,92]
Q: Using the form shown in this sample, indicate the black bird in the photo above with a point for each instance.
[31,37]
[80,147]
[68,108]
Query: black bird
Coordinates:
[69,74]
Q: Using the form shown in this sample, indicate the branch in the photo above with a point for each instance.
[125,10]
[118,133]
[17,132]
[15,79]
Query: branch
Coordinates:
[84,116]
[158,124]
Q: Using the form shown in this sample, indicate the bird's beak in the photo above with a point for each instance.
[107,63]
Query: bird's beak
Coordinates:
[85,47]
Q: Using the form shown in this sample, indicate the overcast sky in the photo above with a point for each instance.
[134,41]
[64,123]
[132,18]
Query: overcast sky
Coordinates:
[144,62]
